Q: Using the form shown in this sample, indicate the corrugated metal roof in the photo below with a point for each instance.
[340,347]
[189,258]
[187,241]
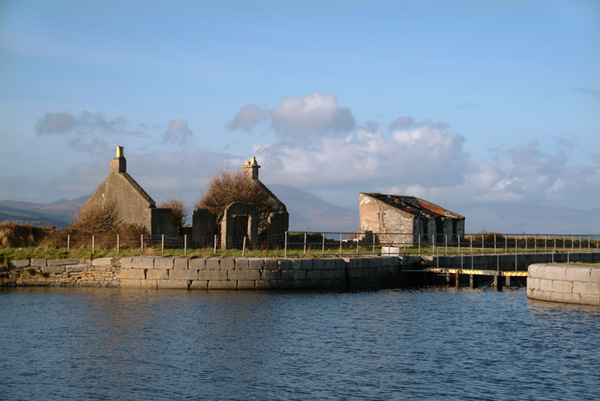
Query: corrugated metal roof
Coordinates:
[414,205]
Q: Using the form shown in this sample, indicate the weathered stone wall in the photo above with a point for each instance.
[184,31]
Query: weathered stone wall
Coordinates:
[564,283]
[379,217]
[209,274]
[101,272]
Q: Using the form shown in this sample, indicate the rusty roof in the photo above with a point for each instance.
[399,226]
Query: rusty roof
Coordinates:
[414,205]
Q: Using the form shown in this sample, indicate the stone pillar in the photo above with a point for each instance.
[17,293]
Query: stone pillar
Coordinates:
[119,164]
[250,169]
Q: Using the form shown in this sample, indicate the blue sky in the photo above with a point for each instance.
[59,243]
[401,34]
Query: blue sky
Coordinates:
[448,100]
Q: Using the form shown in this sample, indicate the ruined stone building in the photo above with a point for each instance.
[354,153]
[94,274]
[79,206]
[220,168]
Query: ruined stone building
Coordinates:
[418,220]
[242,219]
[133,204]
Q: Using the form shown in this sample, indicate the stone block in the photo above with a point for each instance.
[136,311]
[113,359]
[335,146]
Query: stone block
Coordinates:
[270,275]
[212,275]
[318,264]
[149,284]
[595,275]
[535,270]
[245,285]
[157,274]
[330,263]
[264,285]
[331,274]
[241,264]
[300,264]
[533,282]
[127,263]
[313,275]
[256,264]
[133,274]
[130,283]
[16,264]
[143,262]
[164,262]
[586,288]
[183,274]
[173,284]
[180,264]
[213,264]
[284,264]
[227,264]
[54,268]
[556,296]
[571,298]
[563,286]
[38,262]
[271,264]
[222,285]
[102,262]
[62,262]
[293,275]
[243,275]
[77,268]
[199,285]
[555,272]
[546,285]
[578,273]
[590,299]
[197,264]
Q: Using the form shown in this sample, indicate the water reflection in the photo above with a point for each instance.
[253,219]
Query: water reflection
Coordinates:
[431,343]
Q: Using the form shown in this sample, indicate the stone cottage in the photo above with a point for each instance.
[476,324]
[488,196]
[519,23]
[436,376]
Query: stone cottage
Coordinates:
[133,204]
[242,219]
[412,220]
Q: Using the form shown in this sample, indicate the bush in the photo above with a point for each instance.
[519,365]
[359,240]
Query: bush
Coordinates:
[13,235]
[227,188]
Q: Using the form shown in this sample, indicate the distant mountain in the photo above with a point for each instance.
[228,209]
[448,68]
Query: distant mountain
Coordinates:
[528,218]
[311,213]
[58,214]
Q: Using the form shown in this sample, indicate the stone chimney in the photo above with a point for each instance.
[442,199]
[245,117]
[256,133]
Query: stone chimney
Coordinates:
[251,169]
[119,164]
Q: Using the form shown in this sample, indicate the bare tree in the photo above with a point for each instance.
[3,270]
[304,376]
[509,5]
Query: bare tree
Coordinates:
[96,218]
[178,212]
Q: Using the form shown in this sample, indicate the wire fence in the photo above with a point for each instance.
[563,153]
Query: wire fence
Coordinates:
[327,244]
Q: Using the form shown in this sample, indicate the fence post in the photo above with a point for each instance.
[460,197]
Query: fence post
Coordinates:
[340,244]
[304,243]
[285,243]
[68,243]
[244,247]
[93,245]
[482,244]
[357,241]
[118,243]
[446,239]
[142,242]
[419,238]
[323,246]
[215,244]
[162,243]
[185,244]
[373,241]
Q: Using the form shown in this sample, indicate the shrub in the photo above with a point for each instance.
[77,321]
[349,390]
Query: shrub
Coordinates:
[96,219]
[15,235]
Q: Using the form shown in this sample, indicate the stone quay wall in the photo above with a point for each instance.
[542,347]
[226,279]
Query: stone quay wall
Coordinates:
[147,272]
[101,272]
[564,283]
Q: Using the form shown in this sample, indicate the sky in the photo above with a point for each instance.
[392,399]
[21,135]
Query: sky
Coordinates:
[450,100]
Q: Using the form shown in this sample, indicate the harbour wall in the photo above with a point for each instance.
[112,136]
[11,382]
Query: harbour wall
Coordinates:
[564,283]
[210,274]
[509,261]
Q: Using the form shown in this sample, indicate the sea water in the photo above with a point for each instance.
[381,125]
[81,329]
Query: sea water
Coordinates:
[442,344]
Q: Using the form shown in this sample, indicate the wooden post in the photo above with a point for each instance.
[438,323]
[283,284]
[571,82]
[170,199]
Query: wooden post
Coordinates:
[162,243]
[340,244]
[93,245]
[118,243]
[472,281]
[507,281]
[457,279]
[244,247]
[285,245]
[215,244]
[142,242]
[323,245]
[68,243]
[185,244]
[304,243]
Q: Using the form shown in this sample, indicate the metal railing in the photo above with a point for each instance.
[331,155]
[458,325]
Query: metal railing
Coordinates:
[327,244]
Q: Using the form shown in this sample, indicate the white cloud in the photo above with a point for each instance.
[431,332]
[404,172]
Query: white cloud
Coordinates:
[178,132]
[299,118]
[248,117]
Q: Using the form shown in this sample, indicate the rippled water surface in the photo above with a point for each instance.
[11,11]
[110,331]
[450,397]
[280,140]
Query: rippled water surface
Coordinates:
[113,344]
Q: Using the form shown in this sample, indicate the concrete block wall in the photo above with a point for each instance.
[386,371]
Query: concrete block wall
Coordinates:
[509,261]
[564,283]
[258,273]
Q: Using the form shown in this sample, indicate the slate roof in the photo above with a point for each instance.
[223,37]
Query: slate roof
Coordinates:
[415,206]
